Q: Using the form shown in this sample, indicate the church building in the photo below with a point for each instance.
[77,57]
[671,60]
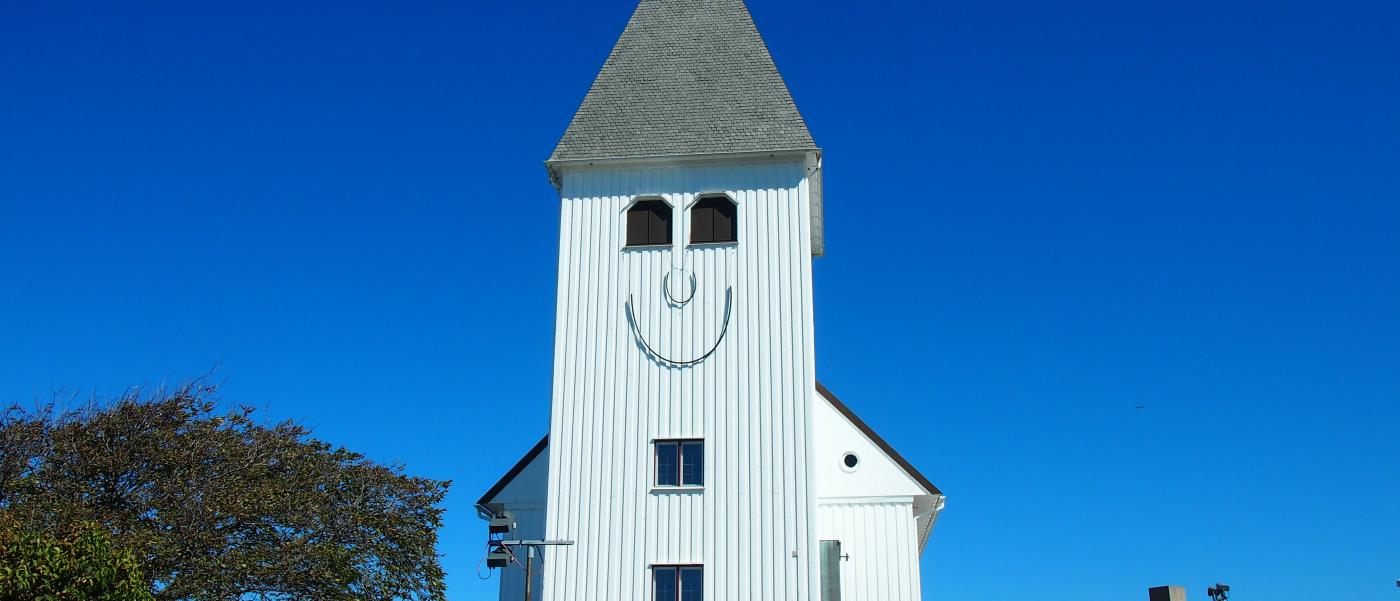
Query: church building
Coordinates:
[692,453]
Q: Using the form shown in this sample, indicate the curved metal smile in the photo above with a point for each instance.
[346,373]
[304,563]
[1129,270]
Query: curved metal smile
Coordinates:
[724,328]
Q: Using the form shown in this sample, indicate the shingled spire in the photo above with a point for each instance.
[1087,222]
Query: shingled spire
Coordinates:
[686,77]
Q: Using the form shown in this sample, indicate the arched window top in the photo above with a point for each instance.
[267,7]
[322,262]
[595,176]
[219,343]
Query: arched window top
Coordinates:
[714,219]
[649,223]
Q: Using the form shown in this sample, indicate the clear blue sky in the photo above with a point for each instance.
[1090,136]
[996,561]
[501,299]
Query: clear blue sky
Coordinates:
[1189,206]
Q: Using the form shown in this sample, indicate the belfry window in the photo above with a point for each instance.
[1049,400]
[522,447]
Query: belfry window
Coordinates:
[649,223]
[713,219]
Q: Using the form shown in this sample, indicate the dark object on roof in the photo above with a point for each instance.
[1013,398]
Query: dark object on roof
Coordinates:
[1166,593]
[686,77]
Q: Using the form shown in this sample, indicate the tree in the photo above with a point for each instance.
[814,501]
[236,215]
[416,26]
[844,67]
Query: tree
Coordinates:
[81,566]
[216,506]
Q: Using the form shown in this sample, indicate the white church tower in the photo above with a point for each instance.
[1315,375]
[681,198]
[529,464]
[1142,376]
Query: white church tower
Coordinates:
[691,453]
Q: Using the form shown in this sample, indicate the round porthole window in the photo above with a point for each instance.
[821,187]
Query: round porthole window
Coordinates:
[850,462]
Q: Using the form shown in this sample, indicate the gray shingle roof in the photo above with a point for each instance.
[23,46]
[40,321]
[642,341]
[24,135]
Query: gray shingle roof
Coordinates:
[686,77]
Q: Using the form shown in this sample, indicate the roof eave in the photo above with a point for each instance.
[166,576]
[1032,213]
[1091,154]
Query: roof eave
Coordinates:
[557,165]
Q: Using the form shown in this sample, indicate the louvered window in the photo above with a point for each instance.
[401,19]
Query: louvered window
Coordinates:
[713,219]
[649,223]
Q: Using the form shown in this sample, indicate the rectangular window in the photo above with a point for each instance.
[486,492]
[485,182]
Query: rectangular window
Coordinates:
[680,463]
[678,583]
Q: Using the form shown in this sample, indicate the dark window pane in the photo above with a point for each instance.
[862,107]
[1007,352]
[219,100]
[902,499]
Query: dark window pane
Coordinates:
[666,468]
[725,223]
[712,220]
[692,584]
[649,222]
[665,587]
[636,226]
[693,464]
[660,230]
[702,223]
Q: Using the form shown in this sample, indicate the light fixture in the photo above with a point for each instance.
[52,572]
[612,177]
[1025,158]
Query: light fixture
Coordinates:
[502,523]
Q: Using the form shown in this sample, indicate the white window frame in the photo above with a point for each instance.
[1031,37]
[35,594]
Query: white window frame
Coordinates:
[680,485]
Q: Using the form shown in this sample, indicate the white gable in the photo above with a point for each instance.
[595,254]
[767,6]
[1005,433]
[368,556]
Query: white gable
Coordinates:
[527,484]
[876,474]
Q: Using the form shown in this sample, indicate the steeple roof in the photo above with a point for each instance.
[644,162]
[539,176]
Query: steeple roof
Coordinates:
[686,77]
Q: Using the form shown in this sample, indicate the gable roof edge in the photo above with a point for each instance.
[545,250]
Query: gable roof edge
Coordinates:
[514,471]
[879,442]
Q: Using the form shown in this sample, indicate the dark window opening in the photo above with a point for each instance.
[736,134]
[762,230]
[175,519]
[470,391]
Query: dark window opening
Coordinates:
[713,219]
[649,222]
[678,583]
[680,463]
[850,460]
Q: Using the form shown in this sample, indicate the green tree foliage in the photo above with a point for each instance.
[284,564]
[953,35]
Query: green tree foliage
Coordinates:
[217,506]
[82,566]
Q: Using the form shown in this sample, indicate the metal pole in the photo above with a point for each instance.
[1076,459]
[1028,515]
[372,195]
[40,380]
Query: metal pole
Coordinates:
[529,568]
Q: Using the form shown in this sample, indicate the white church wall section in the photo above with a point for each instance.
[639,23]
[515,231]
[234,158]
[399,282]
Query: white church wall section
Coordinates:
[869,507]
[880,540]
[752,523]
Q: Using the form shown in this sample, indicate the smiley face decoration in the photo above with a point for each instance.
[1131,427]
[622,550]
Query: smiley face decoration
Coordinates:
[678,301]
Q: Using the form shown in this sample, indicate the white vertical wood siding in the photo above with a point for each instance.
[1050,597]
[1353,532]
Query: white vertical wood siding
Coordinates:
[749,401]
[882,542]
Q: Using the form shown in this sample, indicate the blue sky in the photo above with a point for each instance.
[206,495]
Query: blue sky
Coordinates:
[1187,206]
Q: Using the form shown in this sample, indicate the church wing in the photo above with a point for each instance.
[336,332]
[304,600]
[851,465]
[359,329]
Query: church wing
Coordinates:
[521,493]
[855,463]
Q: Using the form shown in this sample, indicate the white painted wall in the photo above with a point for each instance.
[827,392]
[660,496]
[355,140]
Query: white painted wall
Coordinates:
[750,401]
[870,509]
[881,538]
[875,475]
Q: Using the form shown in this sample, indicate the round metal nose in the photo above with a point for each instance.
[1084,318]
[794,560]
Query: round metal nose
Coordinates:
[669,285]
